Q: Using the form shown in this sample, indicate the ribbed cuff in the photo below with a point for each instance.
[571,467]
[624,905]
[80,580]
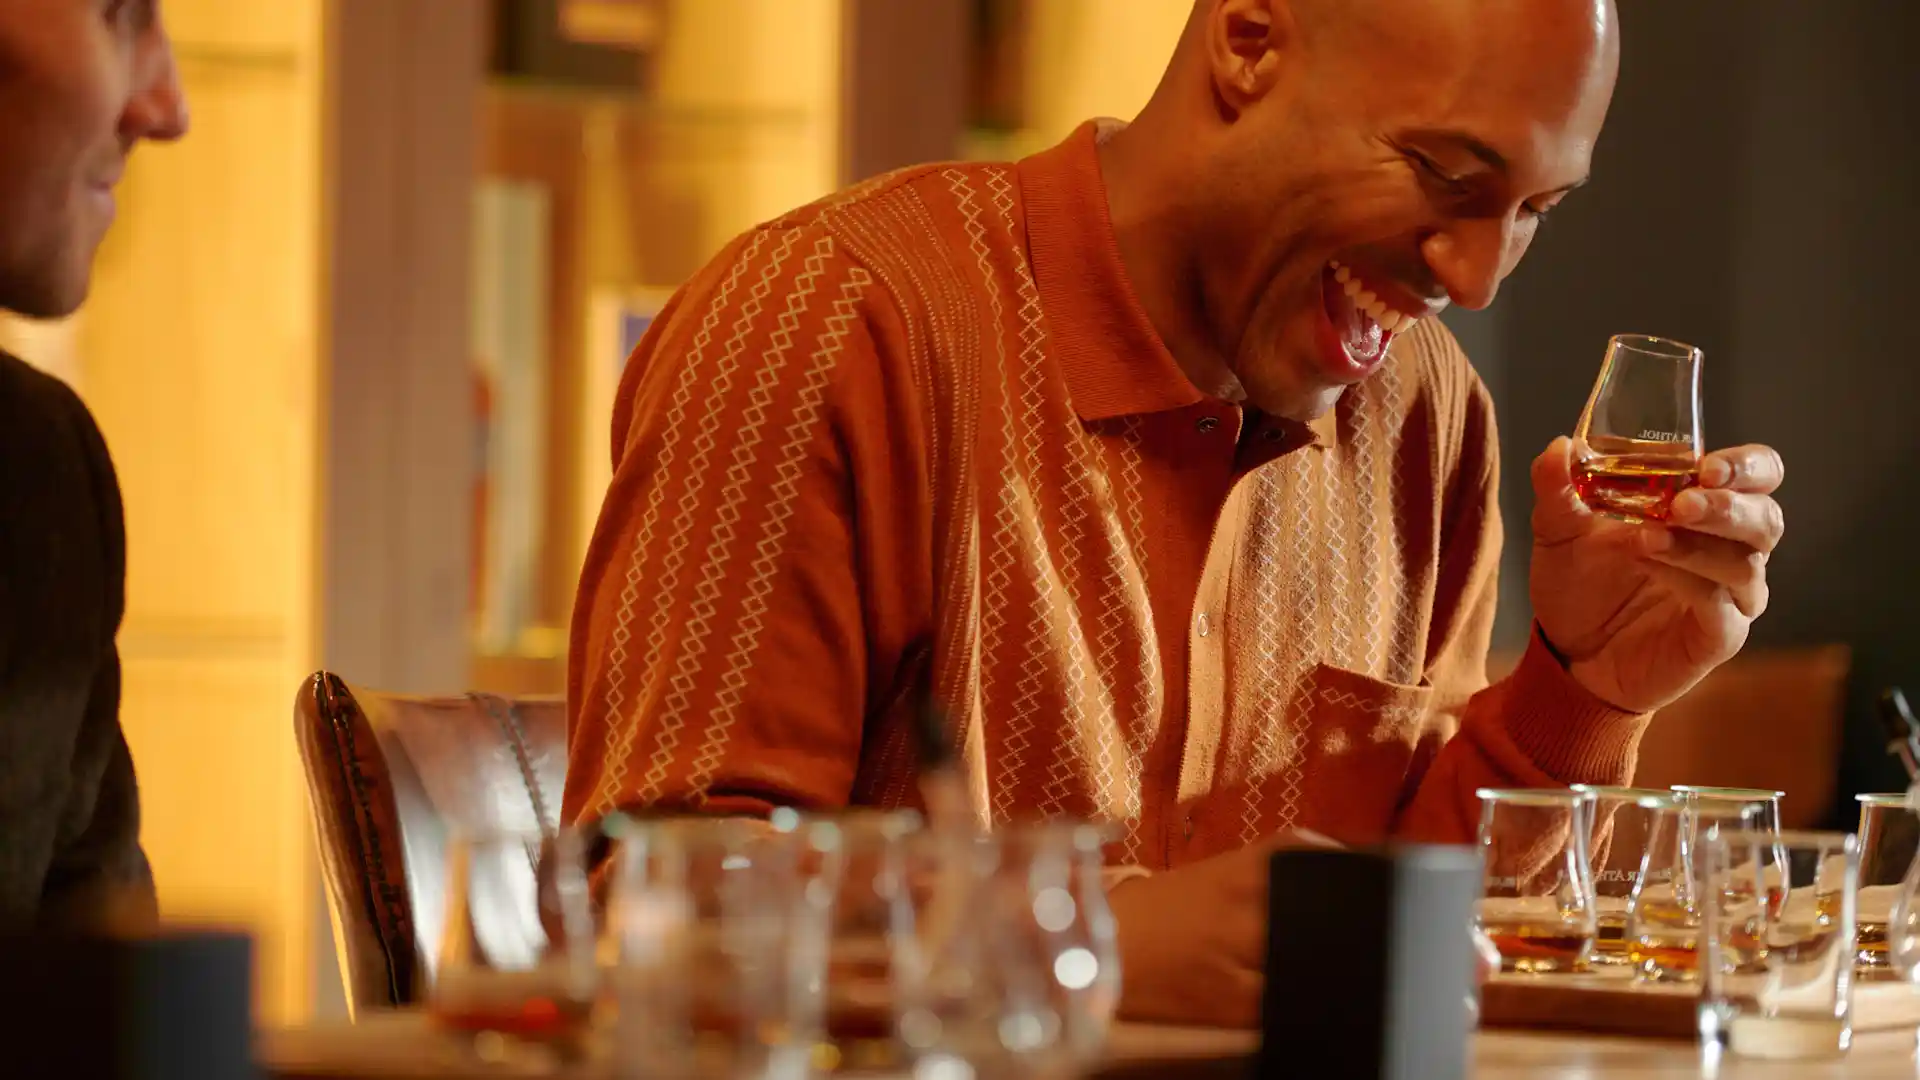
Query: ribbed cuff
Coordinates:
[1559,725]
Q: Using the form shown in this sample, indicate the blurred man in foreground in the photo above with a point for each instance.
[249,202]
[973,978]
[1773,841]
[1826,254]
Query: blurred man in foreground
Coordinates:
[81,82]
[1153,447]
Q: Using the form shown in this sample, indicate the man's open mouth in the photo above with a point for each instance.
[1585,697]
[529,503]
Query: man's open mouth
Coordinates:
[1363,323]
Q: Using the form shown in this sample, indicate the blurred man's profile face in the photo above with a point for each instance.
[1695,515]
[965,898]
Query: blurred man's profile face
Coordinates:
[81,82]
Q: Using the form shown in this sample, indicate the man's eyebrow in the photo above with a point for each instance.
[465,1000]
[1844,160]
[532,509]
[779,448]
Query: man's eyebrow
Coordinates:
[1488,156]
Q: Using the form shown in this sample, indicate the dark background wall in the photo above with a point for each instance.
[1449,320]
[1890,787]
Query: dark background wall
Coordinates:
[1757,193]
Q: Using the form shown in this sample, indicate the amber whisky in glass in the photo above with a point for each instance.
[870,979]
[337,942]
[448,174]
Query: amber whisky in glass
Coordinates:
[1638,444]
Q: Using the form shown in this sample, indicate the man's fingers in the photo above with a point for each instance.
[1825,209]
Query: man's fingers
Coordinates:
[1558,513]
[1739,569]
[1755,469]
[1753,520]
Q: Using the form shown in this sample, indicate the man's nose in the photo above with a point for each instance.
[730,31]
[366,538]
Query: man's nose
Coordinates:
[158,109]
[1469,259]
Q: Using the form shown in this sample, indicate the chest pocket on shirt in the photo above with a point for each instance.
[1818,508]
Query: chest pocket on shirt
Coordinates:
[1360,739]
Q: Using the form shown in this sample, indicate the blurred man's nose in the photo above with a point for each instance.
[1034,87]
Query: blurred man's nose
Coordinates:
[158,109]
[1470,258]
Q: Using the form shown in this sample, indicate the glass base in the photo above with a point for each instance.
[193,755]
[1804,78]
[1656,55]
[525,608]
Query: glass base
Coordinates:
[1780,1037]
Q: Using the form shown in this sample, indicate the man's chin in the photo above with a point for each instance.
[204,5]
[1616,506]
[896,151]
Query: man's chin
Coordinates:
[1292,398]
[1321,404]
[52,296]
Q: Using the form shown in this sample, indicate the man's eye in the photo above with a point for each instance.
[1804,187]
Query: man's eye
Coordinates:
[1455,184]
[1538,213]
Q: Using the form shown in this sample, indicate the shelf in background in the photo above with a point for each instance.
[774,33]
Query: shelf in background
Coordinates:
[636,107]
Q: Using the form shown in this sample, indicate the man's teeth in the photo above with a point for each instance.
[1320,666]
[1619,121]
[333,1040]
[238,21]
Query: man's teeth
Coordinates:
[1390,320]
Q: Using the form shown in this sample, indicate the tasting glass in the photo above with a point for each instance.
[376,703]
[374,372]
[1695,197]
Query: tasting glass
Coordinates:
[1889,835]
[1779,978]
[1621,824]
[1738,798]
[1537,902]
[1026,971]
[515,964]
[1666,908]
[867,876]
[1638,443]
[699,938]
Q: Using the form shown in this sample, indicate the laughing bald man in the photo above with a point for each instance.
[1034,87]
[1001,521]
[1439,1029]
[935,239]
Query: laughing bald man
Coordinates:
[1147,458]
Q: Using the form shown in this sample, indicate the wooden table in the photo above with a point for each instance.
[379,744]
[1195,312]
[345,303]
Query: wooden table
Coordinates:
[402,1047]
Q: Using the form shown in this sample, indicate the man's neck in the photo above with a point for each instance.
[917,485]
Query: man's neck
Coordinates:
[1161,266]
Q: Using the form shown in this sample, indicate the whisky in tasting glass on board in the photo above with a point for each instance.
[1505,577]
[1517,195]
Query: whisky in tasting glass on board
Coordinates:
[1623,825]
[1889,835]
[1537,902]
[1638,443]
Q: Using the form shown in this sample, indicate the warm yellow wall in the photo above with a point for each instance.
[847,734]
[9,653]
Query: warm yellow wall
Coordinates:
[749,92]
[197,352]
[1097,58]
[1087,59]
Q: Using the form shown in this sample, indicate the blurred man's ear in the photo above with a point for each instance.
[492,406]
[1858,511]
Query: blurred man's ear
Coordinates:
[1244,41]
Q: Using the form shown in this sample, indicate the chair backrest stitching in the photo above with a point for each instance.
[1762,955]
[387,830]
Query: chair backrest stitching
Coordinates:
[507,715]
[327,690]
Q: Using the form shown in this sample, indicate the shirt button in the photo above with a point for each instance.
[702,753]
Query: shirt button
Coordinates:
[1206,424]
[1203,625]
[1274,434]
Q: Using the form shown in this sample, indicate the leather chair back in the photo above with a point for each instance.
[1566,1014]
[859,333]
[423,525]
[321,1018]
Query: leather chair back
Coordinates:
[391,777]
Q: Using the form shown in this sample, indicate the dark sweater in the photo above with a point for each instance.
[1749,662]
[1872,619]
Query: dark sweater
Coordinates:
[69,808]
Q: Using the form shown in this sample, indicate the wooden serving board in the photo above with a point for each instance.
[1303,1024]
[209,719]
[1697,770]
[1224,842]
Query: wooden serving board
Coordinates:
[1615,1005]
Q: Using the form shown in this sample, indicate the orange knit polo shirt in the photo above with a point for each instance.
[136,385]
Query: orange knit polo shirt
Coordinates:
[928,419]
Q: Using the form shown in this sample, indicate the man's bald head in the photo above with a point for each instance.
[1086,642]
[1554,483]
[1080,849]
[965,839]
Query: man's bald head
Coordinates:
[1415,142]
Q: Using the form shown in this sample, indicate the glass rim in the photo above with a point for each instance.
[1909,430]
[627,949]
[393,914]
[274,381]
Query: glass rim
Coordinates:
[1553,797]
[698,828]
[1730,793]
[860,823]
[1646,798]
[1882,798]
[1653,345]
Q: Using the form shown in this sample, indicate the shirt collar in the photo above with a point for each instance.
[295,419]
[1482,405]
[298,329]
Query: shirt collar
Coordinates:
[1114,361]
[1112,357]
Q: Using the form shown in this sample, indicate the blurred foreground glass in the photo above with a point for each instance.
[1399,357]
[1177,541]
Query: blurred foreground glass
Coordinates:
[1638,443]
[701,920]
[1537,904]
[516,963]
[1026,970]
[1666,908]
[1889,836]
[1621,825]
[866,874]
[1779,983]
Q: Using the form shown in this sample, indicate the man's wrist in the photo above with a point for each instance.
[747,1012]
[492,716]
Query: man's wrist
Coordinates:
[1564,728]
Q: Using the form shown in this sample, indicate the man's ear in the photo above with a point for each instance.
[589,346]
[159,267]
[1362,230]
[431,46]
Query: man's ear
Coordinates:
[1244,42]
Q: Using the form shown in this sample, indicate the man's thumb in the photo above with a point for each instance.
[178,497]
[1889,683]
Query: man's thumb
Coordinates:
[1558,513]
